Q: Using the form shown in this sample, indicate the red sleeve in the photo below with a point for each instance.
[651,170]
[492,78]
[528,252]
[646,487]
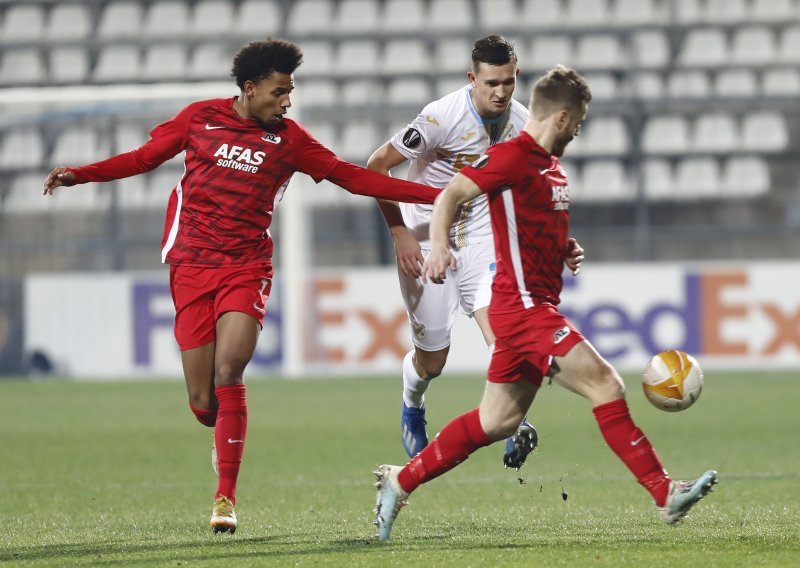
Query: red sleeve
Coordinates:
[166,141]
[361,181]
[310,156]
[502,165]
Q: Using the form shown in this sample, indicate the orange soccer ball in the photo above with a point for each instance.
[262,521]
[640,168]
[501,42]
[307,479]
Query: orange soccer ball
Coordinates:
[672,381]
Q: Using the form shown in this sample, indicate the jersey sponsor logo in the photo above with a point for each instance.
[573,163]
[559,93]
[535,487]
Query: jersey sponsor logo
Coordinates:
[271,138]
[468,135]
[239,158]
[560,197]
[212,127]
[480,162]
[559,335]
[412,138]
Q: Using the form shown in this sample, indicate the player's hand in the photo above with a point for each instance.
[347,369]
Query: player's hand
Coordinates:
[409,254]
[575,256]
[436,265]
[56,178]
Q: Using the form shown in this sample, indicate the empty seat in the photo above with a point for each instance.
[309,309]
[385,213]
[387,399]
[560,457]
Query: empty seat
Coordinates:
[23,22]
[310,17]
[541,14]
[605,180]
[498,15]
[449,84]
[25,195]
[453,55]
[746,176]
[638,12]
[403,16]
[68,64]
[659,181]
[772,10]
[405,56]
[413,92]
[77,145]
[547,51]
[210,61]
[647,85]
[359,140]
[315,92]
[167,18]
[118,63]
[600,52]
[450,16]
[69,21]
[650,49]
[665,135]
[132,193]
[21,148]
[362,92]
[128,136]
[705,47]
[765,131]
[606,135]
[688,11]
[604,86]
[325,132]
[698,178]
[317,58]
[121,20]
[689,84]
[717,132]
[164,61]
[21,66]
[355,16]
[161,182]
[211,17]
[781,82]
[357,57]
[262,17]
[726,11]
[753,46]
[587,13]
[736,83]
[790,45]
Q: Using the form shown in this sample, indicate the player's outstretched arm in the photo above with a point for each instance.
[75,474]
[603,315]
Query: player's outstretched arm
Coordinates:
[362,181]
[57,178]
[575,256]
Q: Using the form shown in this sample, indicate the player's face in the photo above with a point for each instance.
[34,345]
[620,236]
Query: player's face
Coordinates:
[268,100]
[569,126]
[493,88]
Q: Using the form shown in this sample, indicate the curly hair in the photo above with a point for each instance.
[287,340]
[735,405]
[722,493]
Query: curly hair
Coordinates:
[494,50]
[259,59]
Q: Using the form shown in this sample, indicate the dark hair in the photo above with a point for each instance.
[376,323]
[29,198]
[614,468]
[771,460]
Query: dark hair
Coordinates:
[494,50]
[260,59]
[559,87]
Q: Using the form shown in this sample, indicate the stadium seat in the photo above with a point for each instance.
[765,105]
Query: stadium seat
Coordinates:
[754,45]
[775,11]
[450,84]
[23,22]
[704,47]
[403,16]
[453,55]
[650,49]
[715,133]
[688,11]
[210,61]
[689,84]
[450,16]
[161,182]
[164,62]
[659,182]
[258,17]
[132,193]
[355,16]
[357,57]
[78,144]
[118,63]
[587,13]
[211,17]
[790,45]
[403,56]
[69,21]
[736,83]
[600,52]
[325,132]
[128,136]
[25,195]
[666,135]
[765,131]
[647,85]
[546,51]
[121,20]
[605,180]
[746,176]
[726,11]
[498,15]
[21,148]
[317,59]
[606,135]
[310,17]
[698,178]
[166,18]
[604,86]
[316,92]
[408,92]
[359,140]
[638,12]
[781,82]
[538,14]
[68,64]
[362,92]
[21,66]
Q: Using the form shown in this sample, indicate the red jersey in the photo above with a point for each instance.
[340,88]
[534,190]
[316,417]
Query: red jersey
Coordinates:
[220,211]
[529,207]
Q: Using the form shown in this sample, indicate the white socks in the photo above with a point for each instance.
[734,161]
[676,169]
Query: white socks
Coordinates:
[414,386]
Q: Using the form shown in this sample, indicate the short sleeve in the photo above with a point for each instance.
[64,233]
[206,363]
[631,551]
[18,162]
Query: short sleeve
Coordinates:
[310,156]
[501,166]
[425,133]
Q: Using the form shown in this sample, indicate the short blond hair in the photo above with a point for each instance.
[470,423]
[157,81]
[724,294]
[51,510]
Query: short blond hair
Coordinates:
[559,88]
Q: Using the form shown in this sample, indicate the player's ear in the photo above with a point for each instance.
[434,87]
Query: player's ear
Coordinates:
[471,78]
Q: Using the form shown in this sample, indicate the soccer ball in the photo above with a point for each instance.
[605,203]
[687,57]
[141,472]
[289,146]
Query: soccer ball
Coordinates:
[672,381]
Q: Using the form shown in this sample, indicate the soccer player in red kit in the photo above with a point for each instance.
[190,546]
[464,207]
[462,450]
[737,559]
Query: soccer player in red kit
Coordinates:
[529,207]
[240,154]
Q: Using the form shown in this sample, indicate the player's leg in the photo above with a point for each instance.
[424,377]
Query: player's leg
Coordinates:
[198,372]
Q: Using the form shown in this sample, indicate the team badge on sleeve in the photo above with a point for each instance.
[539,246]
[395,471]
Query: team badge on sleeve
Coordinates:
[480,162]
[412,138]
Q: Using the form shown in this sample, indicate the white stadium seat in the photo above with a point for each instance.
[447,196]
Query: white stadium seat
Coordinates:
[121,20]
[605,180]
[698,178]
[746,176]
[128,136]
[690,84]
[604,86]
[355,16]
[790,45]
[715,133]
[773,10]
[261,17]
[25,195]
[310,17]
[118,63]
[164,62]
[753,45]
[726,11]
[23,22]
[542,14]
[453,55]
[704,47]
[359,140]
[408,92]
[450,16]
[765,131]
[361,92]
[403,16]
[211,17]
[21,148]
[688,11]
[69,21]
[449,84]
[606,135]
[325,132]
[587,13]
[781,82]
[357,57]
[547,51]
[315,92]
[666,135]
[648,85]
[638,12]
[317,58]
[167,18]
[78,145]
[402,56]
[600,52]
[21,66]
[736,83]
[68,64]
[650,49]
[498,15]
[659,181]
[210,61]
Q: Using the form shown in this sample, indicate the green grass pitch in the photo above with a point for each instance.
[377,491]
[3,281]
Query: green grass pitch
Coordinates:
[97,474]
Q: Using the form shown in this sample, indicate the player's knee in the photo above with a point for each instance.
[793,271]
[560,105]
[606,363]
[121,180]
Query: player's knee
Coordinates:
[228,373]
[430,365]
[610,383]
[205,415]
[499,427]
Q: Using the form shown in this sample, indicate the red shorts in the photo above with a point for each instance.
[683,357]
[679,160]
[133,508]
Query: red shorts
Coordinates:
[202,295]
[527,341]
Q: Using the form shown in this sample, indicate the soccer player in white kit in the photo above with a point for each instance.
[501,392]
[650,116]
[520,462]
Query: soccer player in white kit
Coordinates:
[447,135]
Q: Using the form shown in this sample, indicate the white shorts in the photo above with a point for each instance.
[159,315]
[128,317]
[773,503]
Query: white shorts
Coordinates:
[432,307]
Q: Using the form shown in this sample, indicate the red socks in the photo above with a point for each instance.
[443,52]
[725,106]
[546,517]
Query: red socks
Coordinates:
[229,436]
[205,417]
[457,440]
[633,448]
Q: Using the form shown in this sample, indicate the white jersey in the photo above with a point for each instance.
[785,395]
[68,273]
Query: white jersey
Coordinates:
[446,136]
